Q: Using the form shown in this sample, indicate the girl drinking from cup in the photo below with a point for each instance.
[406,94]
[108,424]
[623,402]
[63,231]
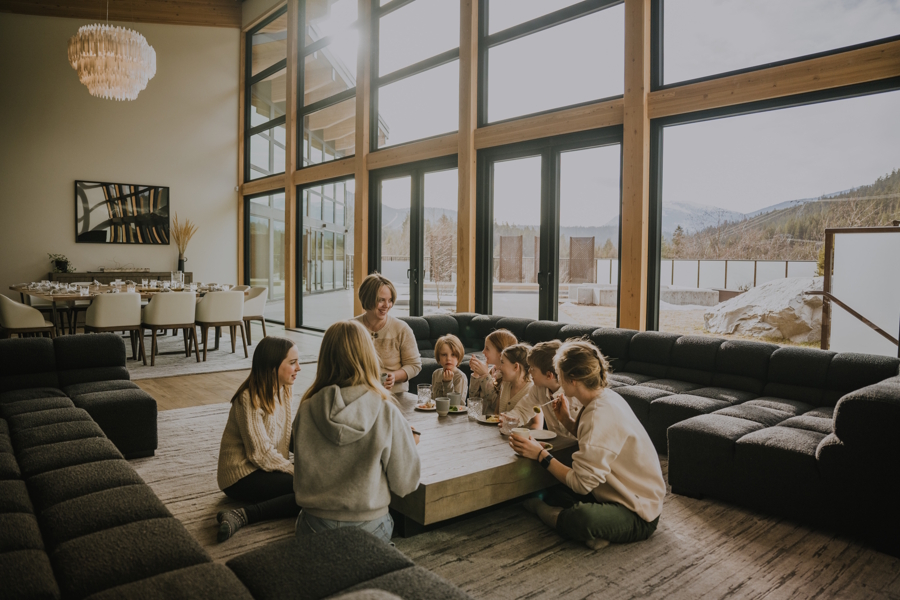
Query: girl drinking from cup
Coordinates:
[515,382]
[485,373]
[617,486]
[449,351]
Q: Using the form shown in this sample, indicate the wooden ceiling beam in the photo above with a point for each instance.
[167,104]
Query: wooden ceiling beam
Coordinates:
[204,13]
[328,117]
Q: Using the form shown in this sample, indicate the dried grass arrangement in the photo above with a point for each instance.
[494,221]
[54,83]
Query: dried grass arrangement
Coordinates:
[182,232]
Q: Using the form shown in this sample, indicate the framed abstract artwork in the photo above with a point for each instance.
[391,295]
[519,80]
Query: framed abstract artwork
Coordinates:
[121,213]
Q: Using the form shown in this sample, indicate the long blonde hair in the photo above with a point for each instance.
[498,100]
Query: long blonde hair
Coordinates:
[262,383]
[346,358]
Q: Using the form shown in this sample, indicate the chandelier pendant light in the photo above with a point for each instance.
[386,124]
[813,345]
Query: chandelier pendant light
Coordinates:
[113,62]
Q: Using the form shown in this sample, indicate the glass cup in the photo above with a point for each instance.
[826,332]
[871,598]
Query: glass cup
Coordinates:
[193,287]
[508,423]
[166,284]
[144,282]
[84,290]
[153,284]
[475,405]
[130,288]
[423,391]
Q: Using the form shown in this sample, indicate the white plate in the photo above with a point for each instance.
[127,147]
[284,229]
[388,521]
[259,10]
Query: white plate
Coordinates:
[463,411]
[542,434]
[483,420]
[423,408]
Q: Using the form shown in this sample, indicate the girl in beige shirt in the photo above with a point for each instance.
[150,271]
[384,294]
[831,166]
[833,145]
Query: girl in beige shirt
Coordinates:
[254,465]
[515,382]
[485,383]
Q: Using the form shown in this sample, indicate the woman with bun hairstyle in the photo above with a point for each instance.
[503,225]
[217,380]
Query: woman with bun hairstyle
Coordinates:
[617,486]
[486,377]
[253,456]
[352,445]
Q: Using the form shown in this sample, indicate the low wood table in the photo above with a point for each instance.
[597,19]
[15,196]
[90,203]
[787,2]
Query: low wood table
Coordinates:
[466,466]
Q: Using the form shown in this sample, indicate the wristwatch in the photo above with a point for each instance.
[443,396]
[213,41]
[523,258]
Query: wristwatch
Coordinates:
[545,462]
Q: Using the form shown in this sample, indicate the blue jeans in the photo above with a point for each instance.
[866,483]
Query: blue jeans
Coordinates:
[307,524]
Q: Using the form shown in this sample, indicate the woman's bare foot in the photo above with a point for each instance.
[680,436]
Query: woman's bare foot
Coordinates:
[597,544]
[548,514]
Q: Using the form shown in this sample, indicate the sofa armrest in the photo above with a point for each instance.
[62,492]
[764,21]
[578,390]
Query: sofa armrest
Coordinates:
[869,418]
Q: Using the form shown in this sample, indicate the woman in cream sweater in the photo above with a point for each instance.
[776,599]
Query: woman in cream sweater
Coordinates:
[352,445]
[617,486]
[254,465]
[395,343]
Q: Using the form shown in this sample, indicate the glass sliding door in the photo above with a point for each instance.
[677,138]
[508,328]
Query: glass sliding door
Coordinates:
[441,200]
[325,253]
[264,249]
[396,206]
[516,232]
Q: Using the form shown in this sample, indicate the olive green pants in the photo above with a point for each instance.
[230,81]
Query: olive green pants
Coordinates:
[583,518]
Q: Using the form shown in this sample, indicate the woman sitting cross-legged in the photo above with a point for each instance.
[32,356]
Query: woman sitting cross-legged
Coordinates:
[352,445]
[253,456]
[616,481]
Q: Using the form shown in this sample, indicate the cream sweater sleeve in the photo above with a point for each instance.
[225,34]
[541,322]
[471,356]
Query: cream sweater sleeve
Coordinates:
[410,359]
[259,447]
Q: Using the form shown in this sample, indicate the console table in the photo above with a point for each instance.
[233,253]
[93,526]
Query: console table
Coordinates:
[107,277]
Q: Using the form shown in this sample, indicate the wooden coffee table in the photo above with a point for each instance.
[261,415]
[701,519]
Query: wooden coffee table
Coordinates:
[466,466]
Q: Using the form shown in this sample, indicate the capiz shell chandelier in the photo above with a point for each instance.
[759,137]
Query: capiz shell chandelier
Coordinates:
[111,61]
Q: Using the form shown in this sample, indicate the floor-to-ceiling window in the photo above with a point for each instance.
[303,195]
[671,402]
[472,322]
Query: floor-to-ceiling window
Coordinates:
[550,225]
[264,249]
[264,117]
[325,253]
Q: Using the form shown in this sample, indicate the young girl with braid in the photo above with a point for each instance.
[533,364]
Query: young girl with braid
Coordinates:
[617,486]
[254,465]
[486,375]
[515,381]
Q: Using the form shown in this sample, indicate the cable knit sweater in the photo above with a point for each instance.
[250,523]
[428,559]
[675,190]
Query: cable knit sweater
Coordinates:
[254,440]
[395,344]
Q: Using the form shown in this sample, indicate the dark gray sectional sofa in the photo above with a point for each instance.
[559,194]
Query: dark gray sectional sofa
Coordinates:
[76,520]
[805,433]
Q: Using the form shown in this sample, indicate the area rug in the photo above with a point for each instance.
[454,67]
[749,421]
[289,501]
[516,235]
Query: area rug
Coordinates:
[171,361]
[702,548]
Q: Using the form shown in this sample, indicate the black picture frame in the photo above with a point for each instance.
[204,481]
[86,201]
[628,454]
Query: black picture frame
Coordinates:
[121,213]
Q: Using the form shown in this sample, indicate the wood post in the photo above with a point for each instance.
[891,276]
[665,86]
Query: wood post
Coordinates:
[361,208]
[290,166]
[468,123]
[635,168]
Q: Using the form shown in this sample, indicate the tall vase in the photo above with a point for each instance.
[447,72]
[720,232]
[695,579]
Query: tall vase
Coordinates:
[181,261]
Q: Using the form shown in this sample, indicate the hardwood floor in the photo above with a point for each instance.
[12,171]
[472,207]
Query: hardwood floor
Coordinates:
[184,391]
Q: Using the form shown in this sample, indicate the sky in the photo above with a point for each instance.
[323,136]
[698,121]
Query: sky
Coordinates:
[741,163]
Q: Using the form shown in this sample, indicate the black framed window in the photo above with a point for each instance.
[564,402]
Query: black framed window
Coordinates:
[552,60]
[742,197]
[548,228]
[413,233]
[265,94]
[709,38]
[329,48]
[324,279]
[415,94]
[264,233]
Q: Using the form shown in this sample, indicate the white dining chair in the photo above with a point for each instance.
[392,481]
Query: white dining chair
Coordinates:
[171,310]
[222,309]
[21,319]
[76,307]
[254,309]
[117,312]
[240,288]
[44,306]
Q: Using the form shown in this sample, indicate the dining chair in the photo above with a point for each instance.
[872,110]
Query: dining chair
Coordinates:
[254,308]
[44,306]
[75,307]
[222,309]
[171,310]
[240,288]
[117,312]
[22,319]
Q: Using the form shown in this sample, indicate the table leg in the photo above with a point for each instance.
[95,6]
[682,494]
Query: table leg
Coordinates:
[55,317]
[218,335]
[406,527]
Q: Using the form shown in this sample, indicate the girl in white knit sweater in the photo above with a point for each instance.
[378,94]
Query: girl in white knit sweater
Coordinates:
[617,486]
[254,465]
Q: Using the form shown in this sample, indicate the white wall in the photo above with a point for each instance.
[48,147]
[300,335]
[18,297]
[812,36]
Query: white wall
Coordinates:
[181,132]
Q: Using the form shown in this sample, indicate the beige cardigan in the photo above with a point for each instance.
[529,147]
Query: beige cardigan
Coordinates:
[254,440]
[396,347]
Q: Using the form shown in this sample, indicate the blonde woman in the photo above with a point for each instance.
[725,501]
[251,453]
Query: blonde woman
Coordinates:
[253,456]
[617,486]
[486,375]
[352,445]
[395,343]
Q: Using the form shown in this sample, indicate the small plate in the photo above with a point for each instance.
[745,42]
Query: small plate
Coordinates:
[484,420]
[462,411]
[424,408]
[542,434]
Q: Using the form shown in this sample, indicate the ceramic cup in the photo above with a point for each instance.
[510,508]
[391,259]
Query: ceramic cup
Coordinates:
[455,399]
[442,405]
[522,432]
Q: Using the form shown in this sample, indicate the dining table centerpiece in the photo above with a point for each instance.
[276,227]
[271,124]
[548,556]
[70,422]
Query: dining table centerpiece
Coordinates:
[182,232]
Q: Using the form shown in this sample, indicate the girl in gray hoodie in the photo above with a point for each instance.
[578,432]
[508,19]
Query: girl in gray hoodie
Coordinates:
[352,445]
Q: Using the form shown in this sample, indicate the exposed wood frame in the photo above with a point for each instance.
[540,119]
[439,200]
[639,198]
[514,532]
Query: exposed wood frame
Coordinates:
[290,166]
[634,228]
[570,120]
[871,63]
[467,155]
[326,171]
[442,145]
[242,61]
[202,13]
[363,144]
[275,8]
[259,186]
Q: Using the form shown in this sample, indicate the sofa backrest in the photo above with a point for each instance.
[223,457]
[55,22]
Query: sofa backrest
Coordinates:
[90,357]
[743,365]
[693,359]
[614,344]
[799,374]
[650,352]
[27,363]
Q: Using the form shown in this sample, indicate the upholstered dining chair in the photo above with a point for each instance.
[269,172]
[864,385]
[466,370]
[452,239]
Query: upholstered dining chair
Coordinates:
[240,288]
[222,309]
[254,309]
[21,319]
[171,310]
[44,307]
[117,312]
[77,306]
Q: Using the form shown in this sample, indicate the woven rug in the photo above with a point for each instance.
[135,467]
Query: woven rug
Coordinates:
[171,361]
[702,548]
